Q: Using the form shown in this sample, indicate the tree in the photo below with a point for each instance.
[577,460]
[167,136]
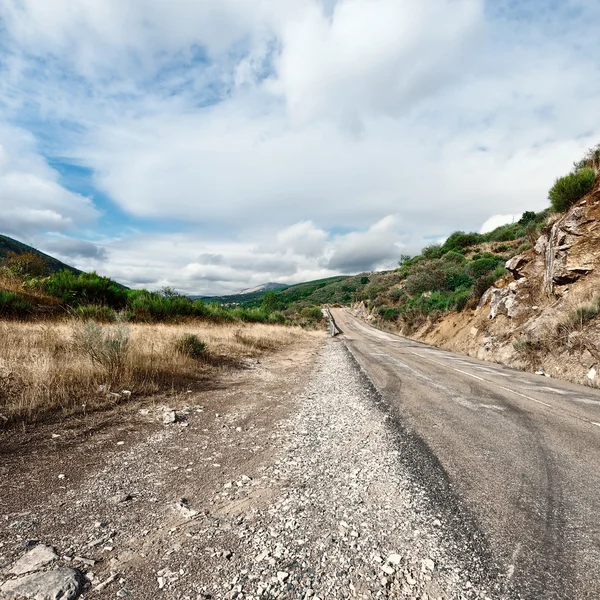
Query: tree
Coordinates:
[270,302]
[404,258]
[527,217]
[27,264]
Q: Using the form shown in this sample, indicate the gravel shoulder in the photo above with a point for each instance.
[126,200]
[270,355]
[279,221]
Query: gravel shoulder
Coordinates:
[286,481]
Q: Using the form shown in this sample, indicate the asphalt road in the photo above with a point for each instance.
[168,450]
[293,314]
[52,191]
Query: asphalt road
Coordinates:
[517,455]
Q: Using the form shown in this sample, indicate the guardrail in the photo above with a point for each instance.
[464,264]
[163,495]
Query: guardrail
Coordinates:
[333,328]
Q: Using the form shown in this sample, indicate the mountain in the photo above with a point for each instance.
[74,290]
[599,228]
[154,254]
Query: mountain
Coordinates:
[265,287]
[9,245]
[248,297]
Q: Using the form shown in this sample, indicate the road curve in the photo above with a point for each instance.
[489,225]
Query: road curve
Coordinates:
[520,453]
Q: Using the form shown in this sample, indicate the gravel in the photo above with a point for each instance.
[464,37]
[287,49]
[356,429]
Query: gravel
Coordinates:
[318,503]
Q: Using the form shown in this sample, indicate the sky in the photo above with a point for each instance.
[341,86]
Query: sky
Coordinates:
[214,145]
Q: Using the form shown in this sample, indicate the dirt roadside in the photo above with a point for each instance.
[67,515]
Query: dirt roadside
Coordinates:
[105,488]
[285,481]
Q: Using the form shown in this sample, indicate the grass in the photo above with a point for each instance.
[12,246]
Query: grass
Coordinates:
[60,367]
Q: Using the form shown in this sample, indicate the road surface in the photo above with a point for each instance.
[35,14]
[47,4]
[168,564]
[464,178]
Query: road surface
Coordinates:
[511,458]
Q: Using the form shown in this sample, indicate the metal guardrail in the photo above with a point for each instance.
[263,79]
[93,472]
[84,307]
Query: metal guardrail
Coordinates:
[333,328]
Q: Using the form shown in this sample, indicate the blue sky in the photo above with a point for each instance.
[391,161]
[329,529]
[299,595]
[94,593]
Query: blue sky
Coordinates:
[219,144]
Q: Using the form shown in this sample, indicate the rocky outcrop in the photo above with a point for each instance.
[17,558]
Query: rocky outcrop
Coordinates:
[566,249]
[59,584]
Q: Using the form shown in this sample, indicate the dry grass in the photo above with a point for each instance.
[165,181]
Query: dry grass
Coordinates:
[44,369]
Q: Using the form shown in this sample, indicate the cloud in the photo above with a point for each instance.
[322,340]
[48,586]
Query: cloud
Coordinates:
[68,248]
[303,238]
[497,221]
[31,197]
[378,247]
[371,56]
[263,128]
[168,259]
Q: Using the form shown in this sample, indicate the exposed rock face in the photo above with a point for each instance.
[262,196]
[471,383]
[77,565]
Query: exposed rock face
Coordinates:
[504,301]
[516,264]
[567,251]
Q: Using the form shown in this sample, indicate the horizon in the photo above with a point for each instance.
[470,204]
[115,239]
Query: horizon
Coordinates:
[219,145]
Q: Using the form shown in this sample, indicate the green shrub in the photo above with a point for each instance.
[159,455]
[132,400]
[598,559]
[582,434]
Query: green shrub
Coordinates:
[397,294]
[425,278]
[432,251]
[572,187]
[26,264]
[250,315]
[14,305]
[105,346]
[457,277]
[461,298]
[85,288]
[312,312]
[388,314]
[94,312]
[191,346]
[277,318]
[453,257]
[460,240]
[482,266]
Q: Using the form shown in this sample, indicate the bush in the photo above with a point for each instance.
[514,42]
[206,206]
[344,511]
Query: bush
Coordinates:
[397,294]
[453,257]
[432,251]
[191,346]
[572,187]
[94,312]
[14,305]
[312,312]
[425,278]
[482,266]
[107,347]
[389,314]
[460,240]
[85,288]
[27,264]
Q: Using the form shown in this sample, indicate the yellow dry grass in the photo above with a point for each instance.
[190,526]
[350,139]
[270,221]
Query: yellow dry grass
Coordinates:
[43,371]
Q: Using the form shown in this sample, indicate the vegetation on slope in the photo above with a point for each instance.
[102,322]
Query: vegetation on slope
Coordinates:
[17,252]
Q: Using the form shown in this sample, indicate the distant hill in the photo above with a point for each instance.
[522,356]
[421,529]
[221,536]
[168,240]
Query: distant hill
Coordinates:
[8,245]
[248,297]
[332,290]
[265,287]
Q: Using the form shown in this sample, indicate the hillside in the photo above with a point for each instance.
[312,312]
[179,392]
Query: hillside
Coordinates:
[526,295]
[10,246]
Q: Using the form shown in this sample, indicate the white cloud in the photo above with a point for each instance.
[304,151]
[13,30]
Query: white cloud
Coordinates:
[31,196]
[272,123]
[371,56]
[499,220]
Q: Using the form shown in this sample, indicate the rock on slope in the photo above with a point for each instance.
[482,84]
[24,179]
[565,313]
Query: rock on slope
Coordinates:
[542,314]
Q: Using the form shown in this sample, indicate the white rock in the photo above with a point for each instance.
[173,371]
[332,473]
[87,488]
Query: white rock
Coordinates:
[37,558]
[429,564]
[394,559]
[169,416]
[282,576]
[59,584]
